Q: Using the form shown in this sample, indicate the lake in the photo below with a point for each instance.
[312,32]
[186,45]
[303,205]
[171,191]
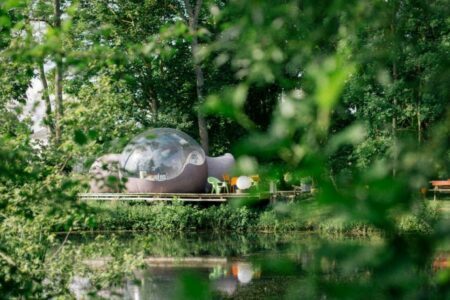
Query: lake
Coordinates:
[221,265]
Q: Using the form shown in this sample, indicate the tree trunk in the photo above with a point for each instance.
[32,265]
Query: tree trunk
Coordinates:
[58,78]
[193,15]
[419,117]
[48,120]
[153,105]
[202,125]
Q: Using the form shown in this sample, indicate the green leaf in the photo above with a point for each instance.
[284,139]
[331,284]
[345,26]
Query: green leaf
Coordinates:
[92,134]
[5,22]
[79,137]
[10,4]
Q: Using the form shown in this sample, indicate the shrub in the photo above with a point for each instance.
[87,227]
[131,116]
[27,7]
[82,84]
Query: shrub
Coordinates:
[170,217]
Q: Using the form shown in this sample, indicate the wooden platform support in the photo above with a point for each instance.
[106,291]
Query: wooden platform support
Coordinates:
[168,197]
[437,190]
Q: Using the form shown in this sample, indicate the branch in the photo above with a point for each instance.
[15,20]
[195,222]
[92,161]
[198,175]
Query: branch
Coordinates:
[32,19]
[62,245]
[65,163]
[177,12]
[7,259]
[198,6]
[188,7]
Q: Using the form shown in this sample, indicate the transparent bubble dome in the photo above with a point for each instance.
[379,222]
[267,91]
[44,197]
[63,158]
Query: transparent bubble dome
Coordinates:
[160,154]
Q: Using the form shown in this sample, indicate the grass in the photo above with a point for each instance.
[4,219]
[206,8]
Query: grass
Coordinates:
[443,205]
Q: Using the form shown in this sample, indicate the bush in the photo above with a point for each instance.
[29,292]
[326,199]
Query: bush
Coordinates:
[170,217]
[307,215]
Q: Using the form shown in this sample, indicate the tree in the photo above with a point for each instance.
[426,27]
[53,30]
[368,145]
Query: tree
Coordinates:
[392,94]
[193,13]
[48,120]
[59,108]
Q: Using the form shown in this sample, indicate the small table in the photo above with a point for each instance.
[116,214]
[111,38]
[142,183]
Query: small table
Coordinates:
[233,181]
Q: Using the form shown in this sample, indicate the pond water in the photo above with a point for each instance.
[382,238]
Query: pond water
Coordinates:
[229,265]
[225,265]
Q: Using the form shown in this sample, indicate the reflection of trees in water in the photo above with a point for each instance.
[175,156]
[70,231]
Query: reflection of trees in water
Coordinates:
[253,263]
[191,244]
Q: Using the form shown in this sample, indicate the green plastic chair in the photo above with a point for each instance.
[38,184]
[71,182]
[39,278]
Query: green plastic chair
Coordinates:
[217,185]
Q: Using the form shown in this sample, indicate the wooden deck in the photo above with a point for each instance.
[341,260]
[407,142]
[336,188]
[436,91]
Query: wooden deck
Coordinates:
[158,197]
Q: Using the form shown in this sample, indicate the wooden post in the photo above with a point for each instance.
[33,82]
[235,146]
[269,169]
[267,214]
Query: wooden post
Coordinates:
[272,191]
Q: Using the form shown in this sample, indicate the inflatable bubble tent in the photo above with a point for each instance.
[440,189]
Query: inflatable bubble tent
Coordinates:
[160,160]
[160,154]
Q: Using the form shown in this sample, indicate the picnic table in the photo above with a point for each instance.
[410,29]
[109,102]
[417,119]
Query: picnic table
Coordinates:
[440,186]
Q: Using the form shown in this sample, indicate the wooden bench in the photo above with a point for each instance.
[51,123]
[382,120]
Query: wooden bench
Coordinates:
[440,186]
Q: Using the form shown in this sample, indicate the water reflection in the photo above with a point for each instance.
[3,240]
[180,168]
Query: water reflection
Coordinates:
[441,261]
[251,266]
[159,280]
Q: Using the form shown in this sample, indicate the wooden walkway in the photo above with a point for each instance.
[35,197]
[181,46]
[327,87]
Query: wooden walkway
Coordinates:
[158,197]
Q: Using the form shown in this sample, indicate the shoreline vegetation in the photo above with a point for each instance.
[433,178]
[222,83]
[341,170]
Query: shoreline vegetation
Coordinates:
[306,215]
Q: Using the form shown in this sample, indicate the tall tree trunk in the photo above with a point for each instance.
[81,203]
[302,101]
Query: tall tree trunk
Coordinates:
[202,125]
[58,77]
[193,15]
[46,95]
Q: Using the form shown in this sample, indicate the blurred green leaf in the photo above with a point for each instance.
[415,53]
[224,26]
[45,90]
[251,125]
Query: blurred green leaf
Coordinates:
[79,137]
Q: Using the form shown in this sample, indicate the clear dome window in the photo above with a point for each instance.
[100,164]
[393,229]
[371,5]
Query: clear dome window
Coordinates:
[160,154]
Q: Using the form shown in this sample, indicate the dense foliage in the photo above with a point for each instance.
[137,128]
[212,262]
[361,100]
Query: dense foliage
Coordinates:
[308,216]
[353,94]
